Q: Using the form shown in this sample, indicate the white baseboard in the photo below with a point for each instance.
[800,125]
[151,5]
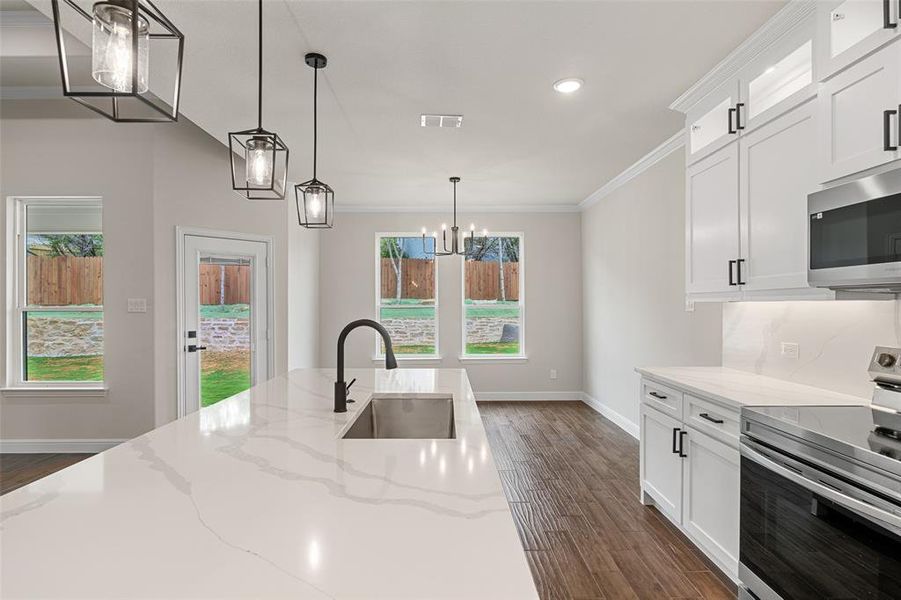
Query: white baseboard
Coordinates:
[528,396]
[56,446]
[605,411]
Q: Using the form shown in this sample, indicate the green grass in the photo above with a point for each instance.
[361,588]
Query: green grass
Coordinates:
[411,312]
[59,314]
[414,349]
[493,348]
[65,368]
[217,385]
[225,311]
[492,310]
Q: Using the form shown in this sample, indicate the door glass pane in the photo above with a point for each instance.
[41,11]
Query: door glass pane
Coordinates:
[859,234]
[781,80]
[852,22]
[225,305]
[711,126]
[63,345]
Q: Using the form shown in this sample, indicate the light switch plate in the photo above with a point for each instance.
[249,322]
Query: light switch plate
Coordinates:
[790,350]
[689,305]
[137,305]
[553,373]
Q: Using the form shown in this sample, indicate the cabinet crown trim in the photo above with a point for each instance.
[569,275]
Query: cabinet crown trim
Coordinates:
[783,22]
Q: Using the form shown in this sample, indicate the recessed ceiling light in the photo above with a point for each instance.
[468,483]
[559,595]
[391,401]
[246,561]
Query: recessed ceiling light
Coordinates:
[568,86]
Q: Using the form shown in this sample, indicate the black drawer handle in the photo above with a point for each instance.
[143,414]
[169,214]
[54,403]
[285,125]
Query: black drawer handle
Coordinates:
[887,130]
[707,417]
[656,395]
[676,440]
[682,435]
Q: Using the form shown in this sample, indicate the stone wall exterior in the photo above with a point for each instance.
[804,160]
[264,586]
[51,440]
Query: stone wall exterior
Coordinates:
[225,334]
[60,336]
[407,332]
[490,329]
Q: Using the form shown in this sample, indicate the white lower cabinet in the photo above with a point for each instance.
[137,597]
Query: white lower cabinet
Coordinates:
[692,477]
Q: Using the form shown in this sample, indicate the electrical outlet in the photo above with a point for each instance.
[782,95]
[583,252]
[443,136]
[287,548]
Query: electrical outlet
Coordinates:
[790,350]
[689,305]
[553,373]
[137,305]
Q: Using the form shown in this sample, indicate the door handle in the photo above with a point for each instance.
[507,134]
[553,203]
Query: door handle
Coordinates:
[738,269]
[707,417]
[676,449]
[887,130]
[886,17]
[193,348]
[682,435]
[732,111]
[731,278]
[738,124]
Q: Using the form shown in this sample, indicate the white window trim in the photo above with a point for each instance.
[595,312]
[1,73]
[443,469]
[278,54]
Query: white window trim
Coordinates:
[16,303]
[378,355]
[490,358]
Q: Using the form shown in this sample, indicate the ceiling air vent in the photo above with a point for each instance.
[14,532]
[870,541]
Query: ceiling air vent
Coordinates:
[451,121]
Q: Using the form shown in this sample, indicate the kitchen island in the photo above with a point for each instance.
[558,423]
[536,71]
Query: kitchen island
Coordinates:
[258,496]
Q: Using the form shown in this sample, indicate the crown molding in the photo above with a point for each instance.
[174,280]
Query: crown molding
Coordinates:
[783,22]
[673,143]
[462,209]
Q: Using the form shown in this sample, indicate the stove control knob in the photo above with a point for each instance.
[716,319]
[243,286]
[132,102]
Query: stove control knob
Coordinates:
[886,360]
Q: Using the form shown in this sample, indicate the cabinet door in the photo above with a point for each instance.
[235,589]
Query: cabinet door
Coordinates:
[773,190]
[661,468]
[710,499]
[712,123]
[848,30]
[852,109]
[711,222]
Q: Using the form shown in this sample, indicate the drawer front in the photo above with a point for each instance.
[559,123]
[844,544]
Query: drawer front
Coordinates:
[718,421]
[665,399]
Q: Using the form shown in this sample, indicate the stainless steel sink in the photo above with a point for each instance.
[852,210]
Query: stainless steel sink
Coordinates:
[404,417]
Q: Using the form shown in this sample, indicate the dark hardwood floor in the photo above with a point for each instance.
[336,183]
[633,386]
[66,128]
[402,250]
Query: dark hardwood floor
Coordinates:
[571,478]
[17,470]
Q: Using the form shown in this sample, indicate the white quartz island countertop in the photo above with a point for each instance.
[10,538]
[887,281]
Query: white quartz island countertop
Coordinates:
[739,388]
[257,496]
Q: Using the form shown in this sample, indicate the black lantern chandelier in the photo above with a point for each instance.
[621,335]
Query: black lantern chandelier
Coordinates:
[455,247]
[122,32]
[315,200]
[259,158]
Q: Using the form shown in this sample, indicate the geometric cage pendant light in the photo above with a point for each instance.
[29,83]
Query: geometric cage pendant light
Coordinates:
[125,35]
[315,199]
[259,158]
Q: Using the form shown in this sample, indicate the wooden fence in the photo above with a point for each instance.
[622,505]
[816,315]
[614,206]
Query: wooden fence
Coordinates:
[224,284]
[65,280]
[418,277]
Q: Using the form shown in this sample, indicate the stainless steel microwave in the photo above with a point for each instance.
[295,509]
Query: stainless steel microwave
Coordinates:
[854,235]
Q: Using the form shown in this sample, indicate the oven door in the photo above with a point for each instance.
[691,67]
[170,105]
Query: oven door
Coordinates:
[805,535]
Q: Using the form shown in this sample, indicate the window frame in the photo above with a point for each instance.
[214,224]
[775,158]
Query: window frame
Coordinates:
[378,355]
[522,355]
[17,292]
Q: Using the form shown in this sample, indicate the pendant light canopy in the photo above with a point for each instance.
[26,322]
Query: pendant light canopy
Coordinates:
[259,158]
[315,199]
[124,35]
[457,248]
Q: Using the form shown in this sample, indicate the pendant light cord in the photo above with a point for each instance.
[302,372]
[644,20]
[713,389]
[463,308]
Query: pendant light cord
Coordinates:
[315,115]
[260,65]
[455,204]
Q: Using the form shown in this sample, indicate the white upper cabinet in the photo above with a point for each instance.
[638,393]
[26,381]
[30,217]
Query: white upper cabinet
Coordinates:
[848,30]
[775,177]
[711,223]
[859,121]
[713,122]
[780,79]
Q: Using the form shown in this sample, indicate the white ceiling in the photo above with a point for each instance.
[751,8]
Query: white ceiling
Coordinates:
[521,145]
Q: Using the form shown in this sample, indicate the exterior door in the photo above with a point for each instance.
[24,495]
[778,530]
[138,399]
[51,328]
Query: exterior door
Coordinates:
[711,223]
[225,341]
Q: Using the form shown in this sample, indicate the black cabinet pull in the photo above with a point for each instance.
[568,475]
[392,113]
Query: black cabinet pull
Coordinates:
[731,278]
[676,449]
[738,124]
[886,17]
[886,130]
[711,419]
[738,269]
[682,435]
[657,395]
[731,113]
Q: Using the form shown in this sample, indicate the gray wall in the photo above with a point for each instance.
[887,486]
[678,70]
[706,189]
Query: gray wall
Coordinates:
[553,297]
[634,289]
[151,178]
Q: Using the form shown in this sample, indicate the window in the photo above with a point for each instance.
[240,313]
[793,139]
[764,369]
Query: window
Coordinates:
[493,297]
[57,322]
[406,294]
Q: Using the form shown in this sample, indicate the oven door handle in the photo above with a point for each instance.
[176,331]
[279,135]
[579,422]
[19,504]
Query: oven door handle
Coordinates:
[873,513]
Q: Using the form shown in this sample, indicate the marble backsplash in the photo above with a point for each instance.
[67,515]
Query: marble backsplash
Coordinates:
[836,340]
